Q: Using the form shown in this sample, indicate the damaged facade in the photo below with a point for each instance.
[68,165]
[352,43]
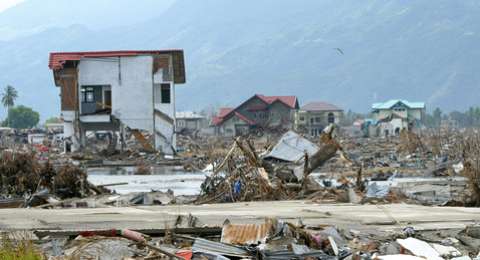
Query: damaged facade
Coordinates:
[189,122]
[395,115]
[118,91]
[258,113]
[313,117]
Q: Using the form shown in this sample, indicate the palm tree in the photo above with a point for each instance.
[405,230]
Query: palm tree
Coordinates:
[8,99]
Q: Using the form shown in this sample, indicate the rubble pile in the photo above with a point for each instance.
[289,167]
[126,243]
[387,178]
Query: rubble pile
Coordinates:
[273,239]
[465,153]
[240,177]
[23,176]
[245,176]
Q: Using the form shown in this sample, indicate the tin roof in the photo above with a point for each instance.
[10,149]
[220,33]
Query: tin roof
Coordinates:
[212,247]
[246,234]
[291,148]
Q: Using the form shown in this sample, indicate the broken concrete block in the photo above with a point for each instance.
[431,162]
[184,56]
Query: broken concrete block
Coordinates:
[446,251]
[419,248]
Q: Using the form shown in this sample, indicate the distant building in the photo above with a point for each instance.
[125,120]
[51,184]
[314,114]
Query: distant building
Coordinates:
[257,114]
[189,122]
[314,116]
[119,91]
[394,115]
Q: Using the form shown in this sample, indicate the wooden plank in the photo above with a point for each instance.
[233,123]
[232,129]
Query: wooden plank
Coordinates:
[197,231]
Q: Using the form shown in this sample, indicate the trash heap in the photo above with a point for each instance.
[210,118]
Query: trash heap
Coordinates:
[24,180]
[243,175]
[273,239]
[240,177]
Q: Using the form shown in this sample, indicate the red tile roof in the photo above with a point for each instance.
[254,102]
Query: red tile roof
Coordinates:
[222,116]
[290,101]
[320,106]
[244,118]
[58,59]
[223,112]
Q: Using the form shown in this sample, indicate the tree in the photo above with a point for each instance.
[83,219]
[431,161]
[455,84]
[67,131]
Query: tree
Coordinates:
[23,117]
[9,96]
[437,117]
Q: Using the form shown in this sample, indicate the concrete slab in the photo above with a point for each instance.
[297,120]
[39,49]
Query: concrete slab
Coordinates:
[381,217]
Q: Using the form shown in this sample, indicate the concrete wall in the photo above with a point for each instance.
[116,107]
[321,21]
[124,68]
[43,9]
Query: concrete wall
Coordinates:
[416,114]
[165,138]
[320,120]
[258,116]
[273,115]
[132,84]
[228,128]
[281,115]
[191,124]
[408,113]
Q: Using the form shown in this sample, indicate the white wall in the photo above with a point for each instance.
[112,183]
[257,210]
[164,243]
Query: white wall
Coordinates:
[131,83]
[166,129]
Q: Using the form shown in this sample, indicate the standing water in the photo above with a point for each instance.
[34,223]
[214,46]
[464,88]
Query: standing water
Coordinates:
[160,179]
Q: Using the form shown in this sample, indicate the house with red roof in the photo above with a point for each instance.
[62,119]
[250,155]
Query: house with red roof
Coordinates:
[119,91]
[313,117]
[259,113]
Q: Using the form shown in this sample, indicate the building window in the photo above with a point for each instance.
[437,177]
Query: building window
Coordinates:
[165,93]
[331,118]
[318,119]
[302,118]
[87,95]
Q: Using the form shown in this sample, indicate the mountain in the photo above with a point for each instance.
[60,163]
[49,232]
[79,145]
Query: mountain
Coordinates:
[33,16]
[415,50]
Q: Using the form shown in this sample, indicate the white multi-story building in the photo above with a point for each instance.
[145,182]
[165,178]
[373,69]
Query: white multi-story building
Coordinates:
[119,91]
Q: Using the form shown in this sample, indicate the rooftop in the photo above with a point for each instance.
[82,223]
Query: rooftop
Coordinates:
[320,106]
[290,101]
[188,115]
[57,60]
[390,103]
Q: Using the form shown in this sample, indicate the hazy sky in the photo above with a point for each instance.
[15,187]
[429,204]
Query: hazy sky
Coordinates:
[5,4]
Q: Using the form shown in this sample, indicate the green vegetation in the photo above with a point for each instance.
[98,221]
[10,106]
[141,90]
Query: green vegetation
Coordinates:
[469,118]
[22,117]
[9,96]
[22,250]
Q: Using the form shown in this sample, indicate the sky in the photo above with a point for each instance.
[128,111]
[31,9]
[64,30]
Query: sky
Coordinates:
[5,4]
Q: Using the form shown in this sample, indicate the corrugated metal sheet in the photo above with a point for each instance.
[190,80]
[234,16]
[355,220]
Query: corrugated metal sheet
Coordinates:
[246,234]
[287,255]
[292,147]
[207,246]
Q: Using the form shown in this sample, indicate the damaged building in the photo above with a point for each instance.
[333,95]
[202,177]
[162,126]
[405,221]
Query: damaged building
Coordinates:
[119,91]
[257,114]
[392,116]
[313,117]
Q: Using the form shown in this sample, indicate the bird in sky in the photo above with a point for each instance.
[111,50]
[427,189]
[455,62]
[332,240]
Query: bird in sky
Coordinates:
[339,50]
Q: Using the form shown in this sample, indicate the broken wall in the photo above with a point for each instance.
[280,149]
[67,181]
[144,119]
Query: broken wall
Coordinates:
[130,79]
